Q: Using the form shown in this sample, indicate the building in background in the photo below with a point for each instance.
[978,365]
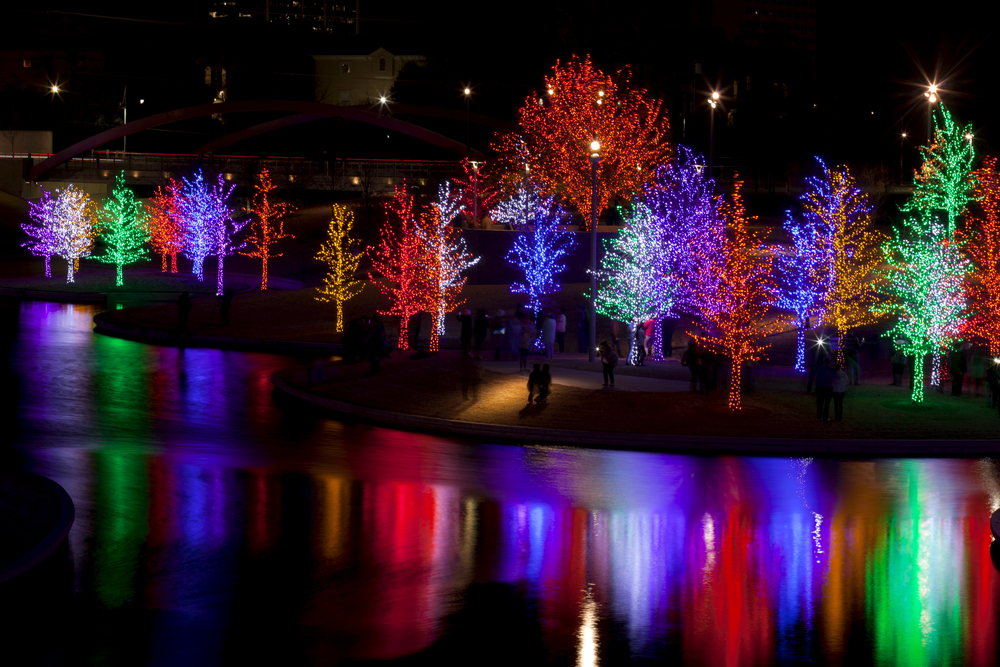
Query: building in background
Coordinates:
[358,79]
[336,16]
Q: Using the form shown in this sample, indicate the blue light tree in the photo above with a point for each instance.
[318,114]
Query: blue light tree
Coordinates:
[803,275]
[540,247]
[198,209]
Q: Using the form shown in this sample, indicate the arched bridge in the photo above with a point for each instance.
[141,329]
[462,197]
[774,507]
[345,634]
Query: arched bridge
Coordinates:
[302,112]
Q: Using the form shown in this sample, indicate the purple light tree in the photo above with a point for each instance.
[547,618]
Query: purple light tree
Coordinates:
[42,241]
[199,207]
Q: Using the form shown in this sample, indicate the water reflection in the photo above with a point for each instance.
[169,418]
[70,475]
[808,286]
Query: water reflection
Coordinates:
[215,527]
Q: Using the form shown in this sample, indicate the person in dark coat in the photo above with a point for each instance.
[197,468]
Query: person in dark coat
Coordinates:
[583,330]
[824,390]
[958,368]
[693,359]
[225,303]
[465,317]
[354,339]
[413,330]
[534,382]
[480,328]
[373,348]
[544,383]
[183,313]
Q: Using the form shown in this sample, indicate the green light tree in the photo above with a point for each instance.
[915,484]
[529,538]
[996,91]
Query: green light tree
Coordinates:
[124,231]
[925,279]
[945,179]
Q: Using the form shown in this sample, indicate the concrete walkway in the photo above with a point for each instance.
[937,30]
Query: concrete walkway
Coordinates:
[589,379]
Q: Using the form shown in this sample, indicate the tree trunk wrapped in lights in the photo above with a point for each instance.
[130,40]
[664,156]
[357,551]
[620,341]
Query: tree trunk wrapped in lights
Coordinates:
[445,258]
[398,264]
[478,191]
[983,245]
[73,227]
[732,288]
[925,276]
[339,252]
[124,229]
[577,103]
[166,230]
[853,250]
[263,232]
[42,237]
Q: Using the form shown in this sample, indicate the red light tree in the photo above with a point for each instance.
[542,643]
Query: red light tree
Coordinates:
[478,191]
[577,104]
[397,263]
[263,232]
[732,288]
[165,230]
[983,244]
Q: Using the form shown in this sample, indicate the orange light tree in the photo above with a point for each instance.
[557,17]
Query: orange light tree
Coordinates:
[854,249]
[339,252]
[731,289]
[263,232]
[983,245]
[578,103]
[164,225]
[398,266]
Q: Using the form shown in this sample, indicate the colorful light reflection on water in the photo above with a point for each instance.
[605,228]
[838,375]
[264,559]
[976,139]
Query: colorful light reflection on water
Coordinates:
[214,527]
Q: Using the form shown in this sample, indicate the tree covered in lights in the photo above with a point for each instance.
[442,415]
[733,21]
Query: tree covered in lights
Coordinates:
[267,225]
[341,255]
[123,229]
[200,206]
[166,232]
[803,271]
[398,266]
[732,287]
[73,227]
[227,227]
[540,250]
[983,246]
[445,258]
[41,235]
[577,103]
[477,190]
[945,179]
[925,276]
[632,286]
[842,217]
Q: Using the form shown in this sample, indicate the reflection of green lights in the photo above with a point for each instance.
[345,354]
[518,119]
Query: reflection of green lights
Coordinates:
[120,523]
[912,602]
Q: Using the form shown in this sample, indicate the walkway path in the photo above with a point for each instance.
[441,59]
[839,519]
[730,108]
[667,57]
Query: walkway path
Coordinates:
[590,379]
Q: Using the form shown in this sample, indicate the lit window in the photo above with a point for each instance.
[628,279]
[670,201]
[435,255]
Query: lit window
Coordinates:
[208,76]
[345,67]
[222,76]
[344,97]
[27,62]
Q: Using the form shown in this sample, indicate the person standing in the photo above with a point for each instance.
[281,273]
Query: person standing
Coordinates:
[639,341]
[499,332]
[608,362]
[534,380]
[561,329]
[544,384]
[824,390]
[465,317]
[958,367]
[480,328]
[668,327]
[583,330]
[413,330]
[839,387]
[816,351]
[183,313]
[650,326]
[549,335]
[692,359]
[898,367]
[851,348]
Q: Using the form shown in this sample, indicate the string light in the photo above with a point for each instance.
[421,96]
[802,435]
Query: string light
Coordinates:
[732,287]
[164,224]
[339,252]
[445,258]
[925,275]
[983,246]
[123,229]
[555,133]
[73,227]
[397,261]
[539,251]
[226,229]
[945,179]
[196,209]
[42,240]
[842,217]
[476,189]
[263,233]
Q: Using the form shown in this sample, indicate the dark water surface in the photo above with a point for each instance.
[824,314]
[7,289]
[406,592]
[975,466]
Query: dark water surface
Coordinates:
[216,527]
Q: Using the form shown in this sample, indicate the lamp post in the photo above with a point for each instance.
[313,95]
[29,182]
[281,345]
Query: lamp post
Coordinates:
[932,97]
[595,158]
[475,195]
[711,132]
[901,142]
[468,99]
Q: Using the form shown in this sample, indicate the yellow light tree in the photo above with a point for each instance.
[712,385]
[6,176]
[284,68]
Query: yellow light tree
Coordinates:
[853,247]
[341,255]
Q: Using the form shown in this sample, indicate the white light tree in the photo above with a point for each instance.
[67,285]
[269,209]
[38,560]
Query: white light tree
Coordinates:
[73,227]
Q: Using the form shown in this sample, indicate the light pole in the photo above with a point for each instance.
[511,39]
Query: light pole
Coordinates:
[901,142]
[595,158]
[932,97]
[475,195]
[968,137]
[468,98]
[711,132]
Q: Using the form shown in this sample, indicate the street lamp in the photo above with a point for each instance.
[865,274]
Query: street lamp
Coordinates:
[932,97]
[969,137]
[595,158]
[475,194]
[901,142]
[468,98]
[711,131]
